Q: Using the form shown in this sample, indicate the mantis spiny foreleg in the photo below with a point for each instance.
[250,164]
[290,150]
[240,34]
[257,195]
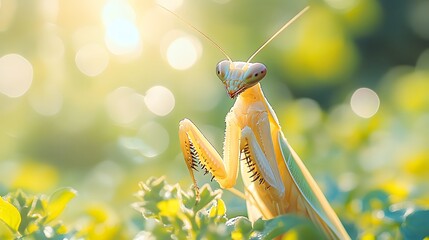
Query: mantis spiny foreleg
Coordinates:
[198,150]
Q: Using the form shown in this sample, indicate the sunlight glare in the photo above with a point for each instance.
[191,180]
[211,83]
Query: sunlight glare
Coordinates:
[159,100]
[182,53]
[365,102]
[16,75]
[121,36]
[92,59]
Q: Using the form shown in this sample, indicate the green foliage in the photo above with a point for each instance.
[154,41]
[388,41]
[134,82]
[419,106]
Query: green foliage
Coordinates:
[171,213]
[178,213]
[35,216]
[415,225]
[381,217]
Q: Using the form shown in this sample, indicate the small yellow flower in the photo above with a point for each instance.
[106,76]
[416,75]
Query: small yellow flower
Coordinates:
[32,227]
[368,236]
[169,207]
[290,235]
[219,209]
[397,190]
[236,235]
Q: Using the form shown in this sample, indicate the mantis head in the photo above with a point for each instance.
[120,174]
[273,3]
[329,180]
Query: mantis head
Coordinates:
[239,76]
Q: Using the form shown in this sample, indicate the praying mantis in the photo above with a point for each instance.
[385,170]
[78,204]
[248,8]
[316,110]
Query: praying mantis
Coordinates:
[276,180]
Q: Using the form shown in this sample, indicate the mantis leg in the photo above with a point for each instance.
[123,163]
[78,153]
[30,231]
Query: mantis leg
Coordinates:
[198,150]
[258,148]
[259,166]
[263,185]
[258,172]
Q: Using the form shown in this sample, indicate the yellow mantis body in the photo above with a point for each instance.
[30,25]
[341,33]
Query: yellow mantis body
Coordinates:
[275,179]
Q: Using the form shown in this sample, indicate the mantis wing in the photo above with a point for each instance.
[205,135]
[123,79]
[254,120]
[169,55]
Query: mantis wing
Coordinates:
[311,192]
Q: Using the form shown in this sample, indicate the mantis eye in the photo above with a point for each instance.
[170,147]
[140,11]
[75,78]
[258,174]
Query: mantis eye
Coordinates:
[221,68]
[256,73]
[220,74]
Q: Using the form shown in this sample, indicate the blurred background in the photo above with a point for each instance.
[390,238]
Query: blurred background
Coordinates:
[91,94]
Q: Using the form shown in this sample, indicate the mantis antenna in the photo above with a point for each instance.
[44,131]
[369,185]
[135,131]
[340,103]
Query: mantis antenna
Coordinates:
[196,29]
[278,32]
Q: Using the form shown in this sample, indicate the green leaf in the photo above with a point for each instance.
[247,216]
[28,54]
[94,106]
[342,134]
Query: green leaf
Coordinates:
[280,225]
[58,201]
[206,197]
[416,225]
[240,224]
[9,215]
[259,225]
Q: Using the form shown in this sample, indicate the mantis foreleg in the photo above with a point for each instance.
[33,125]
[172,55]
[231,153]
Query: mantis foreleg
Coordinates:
[257,144]
[198,150]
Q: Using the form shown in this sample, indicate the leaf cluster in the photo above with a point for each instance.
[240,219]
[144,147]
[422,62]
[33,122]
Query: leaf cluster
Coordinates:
[381,217]
[171,213]
[28,216]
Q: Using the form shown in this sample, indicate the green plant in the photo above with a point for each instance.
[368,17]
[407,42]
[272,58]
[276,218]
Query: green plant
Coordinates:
[378,216]
[35,216]
[171,213]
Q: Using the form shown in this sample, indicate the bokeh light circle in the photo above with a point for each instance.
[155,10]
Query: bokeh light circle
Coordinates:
[182,53]
[365,102]
[159,100]
[124,105]
[16,75]
[92,59]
